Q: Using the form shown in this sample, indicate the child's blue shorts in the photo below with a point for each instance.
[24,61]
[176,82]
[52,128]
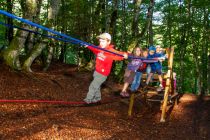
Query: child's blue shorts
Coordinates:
[156,67]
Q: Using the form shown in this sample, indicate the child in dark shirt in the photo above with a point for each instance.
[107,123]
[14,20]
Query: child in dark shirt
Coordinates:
[157,66]
[130,71]
[137,79]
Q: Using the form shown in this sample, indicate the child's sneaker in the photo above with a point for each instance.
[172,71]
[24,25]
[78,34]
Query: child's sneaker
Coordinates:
[124,94]
[160,88]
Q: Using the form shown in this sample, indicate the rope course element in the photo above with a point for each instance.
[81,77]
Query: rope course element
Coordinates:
[67,38]
[77,103]
[31,31]
[41,101]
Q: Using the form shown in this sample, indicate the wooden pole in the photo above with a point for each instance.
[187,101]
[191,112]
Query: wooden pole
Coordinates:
[131,104]
[168,82]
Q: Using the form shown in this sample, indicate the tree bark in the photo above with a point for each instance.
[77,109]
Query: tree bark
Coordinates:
[37,50]
[150,24]
[205,52]
[113,21]
[169,22]
[137,39]
[49,57]
[32,37]
[124,30]
[208,91]
[11,55]
[135,29]
[9,21]
[52,12]
[63,30]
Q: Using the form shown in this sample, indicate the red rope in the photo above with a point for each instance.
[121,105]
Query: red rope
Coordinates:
[56,102]
[40,101]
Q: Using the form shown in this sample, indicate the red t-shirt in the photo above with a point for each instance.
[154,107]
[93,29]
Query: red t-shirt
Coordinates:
[143,67]
[105,59]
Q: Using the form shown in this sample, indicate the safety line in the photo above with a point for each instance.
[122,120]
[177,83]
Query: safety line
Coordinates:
[106,101]
[52,31]
[31,31]
[40,101]
[65,36]
[147,60]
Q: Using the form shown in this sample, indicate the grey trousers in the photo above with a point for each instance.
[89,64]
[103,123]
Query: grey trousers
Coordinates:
[94,93]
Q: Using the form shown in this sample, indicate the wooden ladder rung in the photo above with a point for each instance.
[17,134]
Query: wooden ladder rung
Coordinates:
[174,95]
[152,92]
[160,95]
[154,100]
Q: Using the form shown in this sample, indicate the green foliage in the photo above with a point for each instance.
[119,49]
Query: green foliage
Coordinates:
[2,32]
[71,56]
[118,67]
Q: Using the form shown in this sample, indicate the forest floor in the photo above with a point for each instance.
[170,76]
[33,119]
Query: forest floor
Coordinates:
[189,120]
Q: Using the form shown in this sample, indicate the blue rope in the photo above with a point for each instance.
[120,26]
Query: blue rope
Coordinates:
[70,39]
[52,31]
[31,31]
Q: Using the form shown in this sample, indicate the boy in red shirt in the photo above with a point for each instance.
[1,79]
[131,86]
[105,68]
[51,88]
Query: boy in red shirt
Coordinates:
[103,66]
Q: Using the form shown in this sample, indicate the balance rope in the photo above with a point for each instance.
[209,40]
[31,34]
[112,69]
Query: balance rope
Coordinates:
[77,103]
[66,37]
[38,33]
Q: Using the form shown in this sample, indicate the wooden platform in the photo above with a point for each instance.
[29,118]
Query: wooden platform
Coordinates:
[155,76]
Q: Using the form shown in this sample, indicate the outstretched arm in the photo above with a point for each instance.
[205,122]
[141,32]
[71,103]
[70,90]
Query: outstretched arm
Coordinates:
[153,60]
[94,50]
[124,55]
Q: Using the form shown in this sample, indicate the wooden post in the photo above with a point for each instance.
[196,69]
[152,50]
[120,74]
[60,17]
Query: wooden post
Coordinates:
[168,82]
[131,104]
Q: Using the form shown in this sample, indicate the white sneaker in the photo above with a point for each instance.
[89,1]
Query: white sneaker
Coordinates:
[160,88]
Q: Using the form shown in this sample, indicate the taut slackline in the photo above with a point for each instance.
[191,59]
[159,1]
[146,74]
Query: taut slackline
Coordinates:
[67,38]
[31,31]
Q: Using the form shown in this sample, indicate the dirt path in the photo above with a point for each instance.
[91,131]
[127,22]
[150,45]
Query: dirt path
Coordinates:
[189,120]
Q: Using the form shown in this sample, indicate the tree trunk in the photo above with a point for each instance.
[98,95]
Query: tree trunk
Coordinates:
[52,12]
[208,91]
[204,55]
[32,37]
[49,57]
[150,28]
[124,30]
[135,29]
[113,21]
[11,55]
[182,51]
[9,32]
[137,39]
[37,50]
[181,59]
[169,22]
[63,30]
